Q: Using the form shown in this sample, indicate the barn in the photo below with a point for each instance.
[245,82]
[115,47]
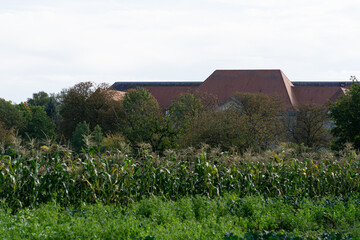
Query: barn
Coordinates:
[225,83]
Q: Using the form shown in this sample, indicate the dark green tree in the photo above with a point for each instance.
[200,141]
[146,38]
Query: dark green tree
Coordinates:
[36,123]
[39,99]
[104,109]
[97,135]
[184,111]
[73,107]
[51,109]
[345,112]
[10,116]
[93,104]
[49,102]
[40,126]
[78,137]
[144,121]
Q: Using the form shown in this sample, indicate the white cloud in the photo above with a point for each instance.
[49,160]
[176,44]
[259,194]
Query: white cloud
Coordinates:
[49,45]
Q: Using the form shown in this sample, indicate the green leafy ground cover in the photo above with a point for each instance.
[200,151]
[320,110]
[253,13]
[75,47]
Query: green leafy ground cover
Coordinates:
[196,217]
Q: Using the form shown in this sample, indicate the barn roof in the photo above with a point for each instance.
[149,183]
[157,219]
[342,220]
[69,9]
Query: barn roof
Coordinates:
[125,85]
[165,95]
[225,83]
[318,95]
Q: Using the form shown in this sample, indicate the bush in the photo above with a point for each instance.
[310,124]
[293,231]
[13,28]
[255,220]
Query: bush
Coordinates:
[116,142]
[78,141]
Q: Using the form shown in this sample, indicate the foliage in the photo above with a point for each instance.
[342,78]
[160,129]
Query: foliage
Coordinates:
[190,218]
[84,138]
[252,121]
[10,116]
[97,135]
[49,102]
[37,124]
[116,142]
[77,141]
[29,180]
[185,110]
[90,103]
[73,107]
[279,236]
[144,121]
[310,126]
[52,110]
[259,119]
[6,136]
[39,99]
[215,128]
[345,112]
[103,109]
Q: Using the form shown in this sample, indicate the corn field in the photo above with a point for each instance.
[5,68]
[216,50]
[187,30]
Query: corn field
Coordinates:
[36,178]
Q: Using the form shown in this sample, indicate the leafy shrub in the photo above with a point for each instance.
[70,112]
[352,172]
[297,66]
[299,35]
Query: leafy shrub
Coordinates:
[7,136]
[156,218]
[278,236]
[116,142]
[78,141]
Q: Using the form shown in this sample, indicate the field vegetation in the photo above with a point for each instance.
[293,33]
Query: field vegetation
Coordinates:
[227,217]
[291,189]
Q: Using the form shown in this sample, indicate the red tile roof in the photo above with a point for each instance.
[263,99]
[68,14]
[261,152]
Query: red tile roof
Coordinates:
[225,83]
[165,95]
[318,95]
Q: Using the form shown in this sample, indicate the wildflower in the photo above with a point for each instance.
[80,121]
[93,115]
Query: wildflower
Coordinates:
[45,148]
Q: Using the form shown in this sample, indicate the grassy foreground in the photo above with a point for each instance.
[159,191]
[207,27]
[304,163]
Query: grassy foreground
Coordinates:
[189,218]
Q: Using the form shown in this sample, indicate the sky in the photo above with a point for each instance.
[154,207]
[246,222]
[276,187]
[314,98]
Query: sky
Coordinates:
[50,45]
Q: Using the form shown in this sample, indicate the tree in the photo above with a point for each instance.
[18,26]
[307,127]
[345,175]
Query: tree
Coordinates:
[258,119]
[90,103]
[36,123]
[215,128]
[190,114]
[49,102]
[51,109]
[144,121]
[77,141]
[7,136]
[39,99]
[345,112]
[310,125]
[251,121]
[188,107]
[104,110]
[10,116]
[97,135]
[73,107]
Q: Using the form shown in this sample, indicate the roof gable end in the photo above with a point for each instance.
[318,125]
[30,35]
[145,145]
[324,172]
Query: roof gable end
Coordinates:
[225,83]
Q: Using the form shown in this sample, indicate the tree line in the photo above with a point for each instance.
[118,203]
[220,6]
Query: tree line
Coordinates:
[91,115]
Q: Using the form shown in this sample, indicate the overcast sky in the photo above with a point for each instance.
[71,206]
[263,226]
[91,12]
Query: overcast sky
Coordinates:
[48,45]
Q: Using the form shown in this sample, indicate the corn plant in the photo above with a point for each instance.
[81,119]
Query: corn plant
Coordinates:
[30,180]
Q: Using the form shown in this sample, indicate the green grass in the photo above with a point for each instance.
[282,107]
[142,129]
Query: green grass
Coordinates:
[187,218]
